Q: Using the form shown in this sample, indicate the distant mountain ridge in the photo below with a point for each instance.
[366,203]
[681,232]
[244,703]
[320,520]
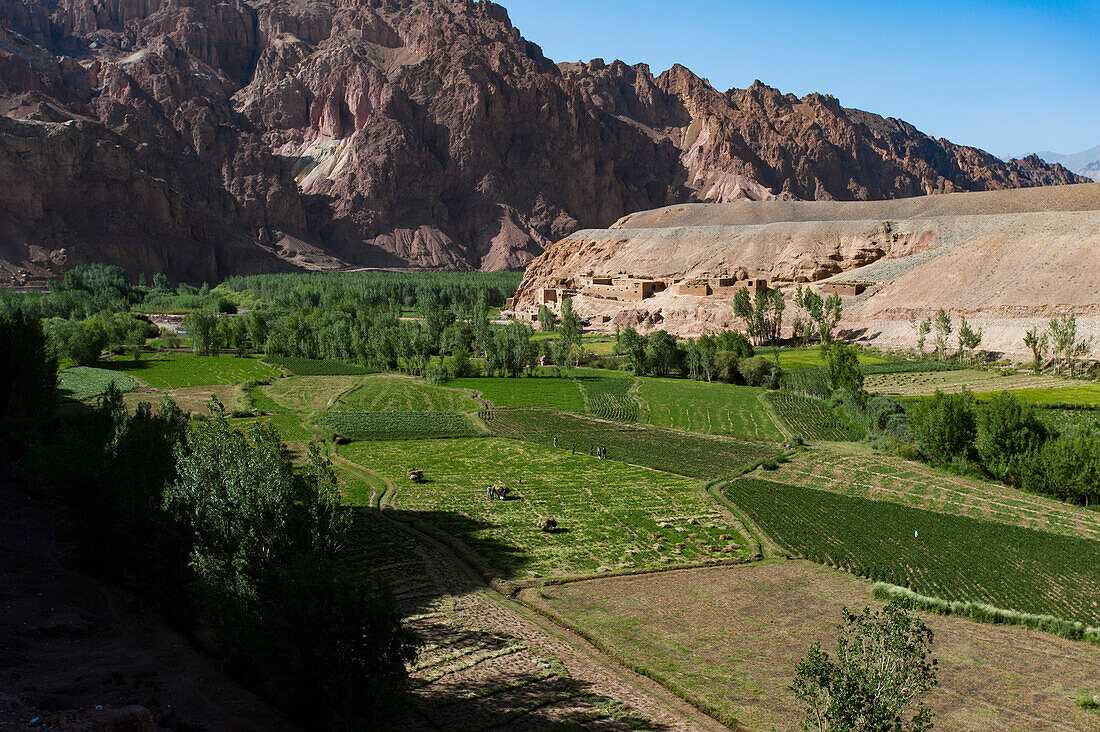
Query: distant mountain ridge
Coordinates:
[210,137]
[1086,162]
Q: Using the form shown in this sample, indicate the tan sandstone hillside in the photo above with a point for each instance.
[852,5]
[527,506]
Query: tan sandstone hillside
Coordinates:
[1003,259]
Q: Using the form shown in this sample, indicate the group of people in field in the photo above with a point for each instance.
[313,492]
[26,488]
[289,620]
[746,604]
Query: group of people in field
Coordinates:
[597,451]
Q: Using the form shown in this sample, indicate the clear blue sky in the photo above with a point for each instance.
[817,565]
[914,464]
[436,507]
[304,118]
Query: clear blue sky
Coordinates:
[1007,76]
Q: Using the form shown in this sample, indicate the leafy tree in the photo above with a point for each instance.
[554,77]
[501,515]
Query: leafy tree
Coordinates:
[734,342]
[547,321]
[520,352]
[969,339]
[1037,343]
[944,426]
[160,282]
[743,308]
[759,371]
[923,329]
[1070,465]
[1008,431]
[882,670]
[202,326]
[943,328]
[569,335]
[632,344]
[266,543]
[843,367]
[665,353]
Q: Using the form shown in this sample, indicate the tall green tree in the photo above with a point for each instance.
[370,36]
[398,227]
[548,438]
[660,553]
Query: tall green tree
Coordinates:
[842,366]
[664,353]
[943,328]
[266,554]
[633,345]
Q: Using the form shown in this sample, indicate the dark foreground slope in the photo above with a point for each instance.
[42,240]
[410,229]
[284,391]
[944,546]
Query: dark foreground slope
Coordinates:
[204,138]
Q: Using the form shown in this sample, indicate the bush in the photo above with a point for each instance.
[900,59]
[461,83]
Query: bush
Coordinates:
[1008,431]
[944,426]
[760,371]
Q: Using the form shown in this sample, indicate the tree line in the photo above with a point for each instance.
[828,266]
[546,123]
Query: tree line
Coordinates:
[221,529]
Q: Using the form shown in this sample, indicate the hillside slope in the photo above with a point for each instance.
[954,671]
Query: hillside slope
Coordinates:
[1006,260]
[206,137]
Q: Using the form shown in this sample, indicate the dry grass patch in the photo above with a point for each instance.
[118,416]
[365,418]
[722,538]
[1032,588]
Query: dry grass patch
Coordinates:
[729,638]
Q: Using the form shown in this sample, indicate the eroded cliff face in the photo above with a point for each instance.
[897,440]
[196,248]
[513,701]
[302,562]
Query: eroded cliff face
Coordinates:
[1005,260]
[401,133]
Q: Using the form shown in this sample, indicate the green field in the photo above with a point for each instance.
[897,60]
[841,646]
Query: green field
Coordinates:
[611,516]
[405,394]
[1079,393]
[1038,389]
[936,554]
[713,409]
[316,367]
[399,425]
[540,393]
[87,382]
[174,370]
[680,453]
[798,358]
[1059,419]
[609,397]
[812,419]
[886,478]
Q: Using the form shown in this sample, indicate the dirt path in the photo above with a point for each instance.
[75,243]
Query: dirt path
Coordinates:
[595,675]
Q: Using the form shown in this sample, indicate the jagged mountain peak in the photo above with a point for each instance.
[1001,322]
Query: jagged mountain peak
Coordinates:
[411,133]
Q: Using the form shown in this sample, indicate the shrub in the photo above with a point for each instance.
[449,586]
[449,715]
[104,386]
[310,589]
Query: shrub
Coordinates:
[760,371]
[944,426]
[1007,431]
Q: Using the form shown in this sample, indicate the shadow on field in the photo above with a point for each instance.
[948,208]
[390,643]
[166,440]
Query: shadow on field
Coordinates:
[469,539]
[476,662]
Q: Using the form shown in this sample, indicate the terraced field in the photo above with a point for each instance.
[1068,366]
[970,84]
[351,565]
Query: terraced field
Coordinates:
[679,453]
[1028,386]
[610,516]
[940,555]
[812,419]
[400,425]
[404,394]
[308,393]
[885,478]
[542,392]
[713,409]
[609,397]
[175,370]
[80,383]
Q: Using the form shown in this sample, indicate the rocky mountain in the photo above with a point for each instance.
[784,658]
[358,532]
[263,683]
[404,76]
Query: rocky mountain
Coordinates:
[209,137]
[1086,162]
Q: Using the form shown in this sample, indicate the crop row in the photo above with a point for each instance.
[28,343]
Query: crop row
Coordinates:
[940,555]
[399,425]
[813,419]
[316,367]
[609,398]
[679,453]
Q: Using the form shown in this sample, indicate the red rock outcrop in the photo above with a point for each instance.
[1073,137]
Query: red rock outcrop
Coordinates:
[411,133]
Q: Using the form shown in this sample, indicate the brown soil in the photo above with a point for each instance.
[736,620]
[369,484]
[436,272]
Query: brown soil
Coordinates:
[731,637]
[75,653]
